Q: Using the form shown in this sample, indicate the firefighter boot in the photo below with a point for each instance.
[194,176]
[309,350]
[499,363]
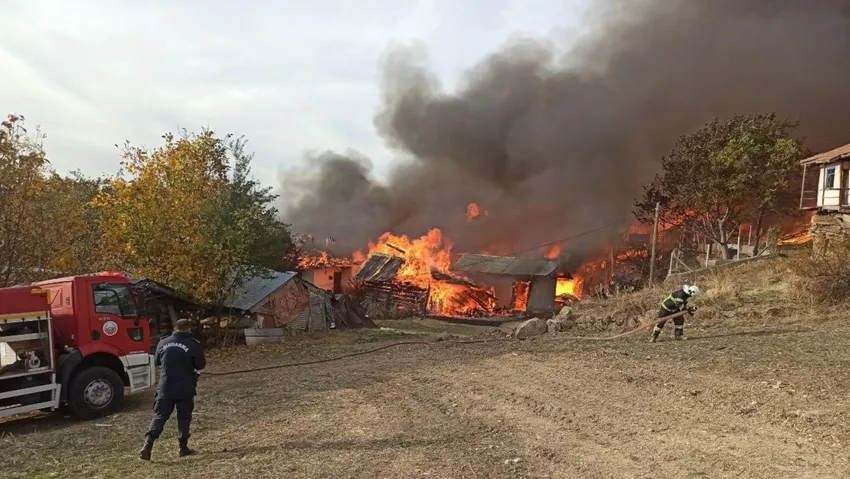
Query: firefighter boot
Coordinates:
[655,333]
[184,448]
[145,453]
[679,334]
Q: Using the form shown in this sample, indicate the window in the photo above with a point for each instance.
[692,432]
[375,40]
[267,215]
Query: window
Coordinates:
[829,178]
[115,299]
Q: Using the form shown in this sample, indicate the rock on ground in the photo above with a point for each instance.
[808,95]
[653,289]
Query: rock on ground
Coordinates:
[530,328]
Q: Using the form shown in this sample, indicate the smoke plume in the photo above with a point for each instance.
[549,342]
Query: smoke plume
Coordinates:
[555,143]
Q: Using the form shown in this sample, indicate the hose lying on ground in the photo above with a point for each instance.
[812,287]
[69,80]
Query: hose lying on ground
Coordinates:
[642,327]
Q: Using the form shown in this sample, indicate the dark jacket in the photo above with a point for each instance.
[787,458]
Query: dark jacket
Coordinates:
[181,357]
[675,302]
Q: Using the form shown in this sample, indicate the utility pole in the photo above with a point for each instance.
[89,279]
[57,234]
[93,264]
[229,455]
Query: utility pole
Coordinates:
[654,241]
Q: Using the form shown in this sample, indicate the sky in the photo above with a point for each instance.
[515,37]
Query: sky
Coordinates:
[292,77]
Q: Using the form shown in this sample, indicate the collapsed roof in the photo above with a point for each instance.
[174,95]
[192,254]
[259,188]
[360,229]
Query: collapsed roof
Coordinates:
[507,265]
[380,267]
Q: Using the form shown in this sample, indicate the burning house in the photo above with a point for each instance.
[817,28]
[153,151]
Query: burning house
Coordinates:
[386,288]
[530,283]
[328,272]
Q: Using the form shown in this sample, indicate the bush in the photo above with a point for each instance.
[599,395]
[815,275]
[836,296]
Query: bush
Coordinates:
[825,277]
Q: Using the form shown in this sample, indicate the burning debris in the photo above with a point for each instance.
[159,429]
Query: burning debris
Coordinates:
[553,142]
[413,275]
[324,260]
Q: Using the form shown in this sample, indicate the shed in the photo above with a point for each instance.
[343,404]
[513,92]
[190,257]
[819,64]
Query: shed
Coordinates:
[327,271]
[163,306]
[540,274]
[382,294]
[285,300]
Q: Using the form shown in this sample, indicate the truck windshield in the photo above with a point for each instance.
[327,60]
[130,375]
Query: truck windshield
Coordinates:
[115,299]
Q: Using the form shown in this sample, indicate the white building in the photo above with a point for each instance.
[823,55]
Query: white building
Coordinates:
[832,192]
[831,197]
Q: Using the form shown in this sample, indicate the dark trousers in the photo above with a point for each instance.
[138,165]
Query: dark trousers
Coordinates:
[679,323]
[162,409]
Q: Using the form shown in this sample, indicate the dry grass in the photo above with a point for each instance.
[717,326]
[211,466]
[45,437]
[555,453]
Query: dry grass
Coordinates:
[761,397]
[753,294]
[826,277]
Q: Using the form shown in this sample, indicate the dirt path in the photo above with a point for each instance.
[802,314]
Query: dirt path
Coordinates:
[768,404]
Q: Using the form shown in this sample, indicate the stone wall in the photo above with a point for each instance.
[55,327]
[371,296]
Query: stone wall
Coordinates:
[829,228]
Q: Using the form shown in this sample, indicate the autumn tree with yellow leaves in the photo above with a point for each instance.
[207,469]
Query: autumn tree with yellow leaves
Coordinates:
[189,215]
[47,228]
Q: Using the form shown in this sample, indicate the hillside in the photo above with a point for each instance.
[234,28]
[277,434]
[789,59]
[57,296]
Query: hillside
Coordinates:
[759,390]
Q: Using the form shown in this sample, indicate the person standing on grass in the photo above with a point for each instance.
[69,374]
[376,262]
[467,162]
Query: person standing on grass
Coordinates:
[675,302]
[182,359]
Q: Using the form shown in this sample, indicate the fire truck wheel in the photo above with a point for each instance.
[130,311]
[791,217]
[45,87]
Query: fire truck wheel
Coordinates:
[95,392]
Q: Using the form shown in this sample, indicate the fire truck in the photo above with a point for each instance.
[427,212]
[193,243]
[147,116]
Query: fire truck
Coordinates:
[74,342]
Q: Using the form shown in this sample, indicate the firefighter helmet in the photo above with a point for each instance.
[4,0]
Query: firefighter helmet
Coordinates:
[692,290]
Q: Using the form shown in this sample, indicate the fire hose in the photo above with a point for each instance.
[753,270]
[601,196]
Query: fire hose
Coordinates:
[640,328]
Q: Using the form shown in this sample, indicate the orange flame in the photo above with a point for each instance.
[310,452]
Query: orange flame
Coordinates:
[796,239]
[554,251]
[425,255]
[521,289]
[472,211]
[568,286]
[323,260]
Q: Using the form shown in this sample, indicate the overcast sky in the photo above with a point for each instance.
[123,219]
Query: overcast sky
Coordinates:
[290,75]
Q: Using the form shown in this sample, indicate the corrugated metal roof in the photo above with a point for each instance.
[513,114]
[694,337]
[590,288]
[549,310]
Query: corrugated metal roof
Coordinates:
[256,289]
[380,267]
[505,265]
[828,156]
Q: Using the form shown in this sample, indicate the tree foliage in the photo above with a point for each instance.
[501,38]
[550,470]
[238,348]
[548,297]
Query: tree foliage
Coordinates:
[188,214]
[46,227]
[75,225]
[725,174]
[23,165]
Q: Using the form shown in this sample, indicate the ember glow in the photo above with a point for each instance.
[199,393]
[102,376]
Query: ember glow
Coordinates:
[553,252]
[426,265]
[473,211]
[520,295]
[323,260]
[802,237]
[568,286]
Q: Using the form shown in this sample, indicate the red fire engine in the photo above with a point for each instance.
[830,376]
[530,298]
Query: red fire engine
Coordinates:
[77,341]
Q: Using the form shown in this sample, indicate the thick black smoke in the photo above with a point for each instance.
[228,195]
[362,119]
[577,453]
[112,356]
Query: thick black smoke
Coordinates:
[555,143]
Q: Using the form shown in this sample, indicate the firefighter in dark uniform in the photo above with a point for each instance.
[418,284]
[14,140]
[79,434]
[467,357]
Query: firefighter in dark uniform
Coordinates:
[181,358]
[676,302]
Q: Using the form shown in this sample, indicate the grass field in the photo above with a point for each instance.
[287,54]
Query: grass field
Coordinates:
[760,389]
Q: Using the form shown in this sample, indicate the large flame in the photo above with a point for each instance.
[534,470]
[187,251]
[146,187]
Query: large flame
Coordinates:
[429,254]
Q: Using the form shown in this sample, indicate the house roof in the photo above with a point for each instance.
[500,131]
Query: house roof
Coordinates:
[505,265]
[151,288]
[828,156]
[252,293]
[380,267]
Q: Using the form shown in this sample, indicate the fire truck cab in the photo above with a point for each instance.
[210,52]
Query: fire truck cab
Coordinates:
[77,341]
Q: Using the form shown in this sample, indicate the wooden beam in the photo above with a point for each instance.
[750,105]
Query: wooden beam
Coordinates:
[803,185]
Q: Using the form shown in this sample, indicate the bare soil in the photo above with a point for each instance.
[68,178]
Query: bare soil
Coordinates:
[757,396]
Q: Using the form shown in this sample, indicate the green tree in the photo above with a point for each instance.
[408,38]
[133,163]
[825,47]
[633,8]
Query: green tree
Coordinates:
[724,174]
[188,214]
